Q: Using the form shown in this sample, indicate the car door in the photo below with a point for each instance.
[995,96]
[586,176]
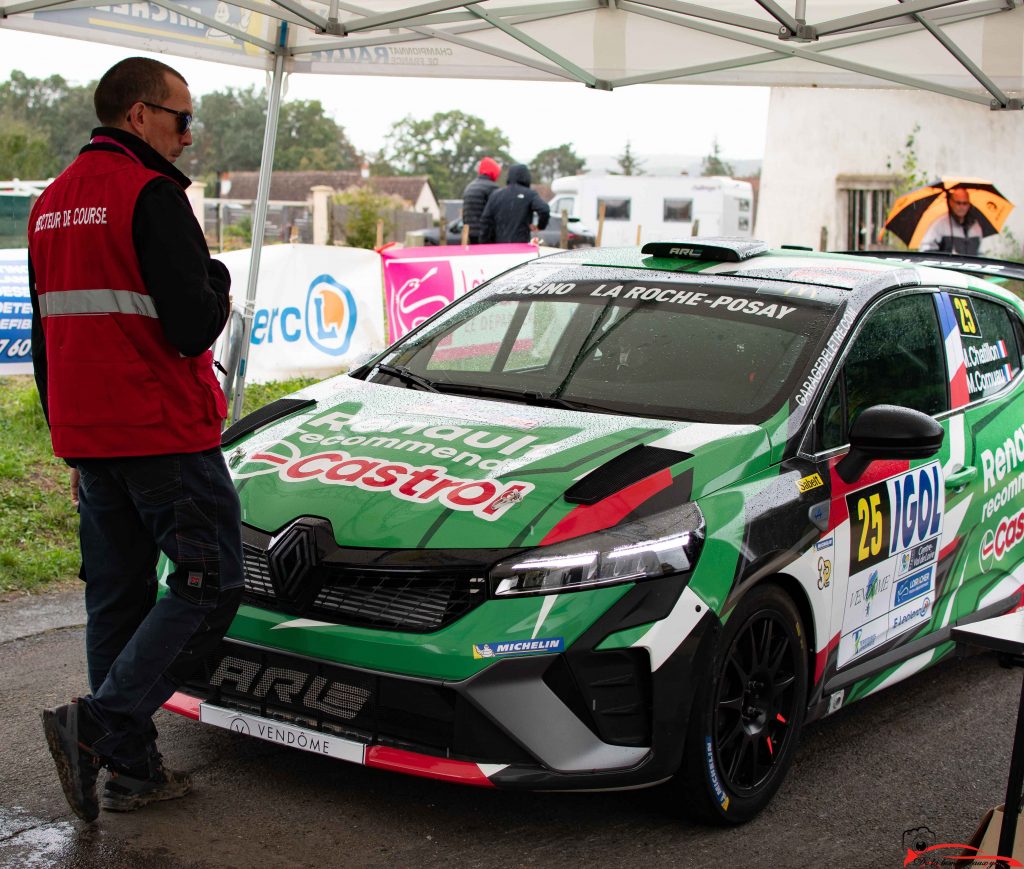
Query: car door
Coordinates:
[889,530]
[985,577]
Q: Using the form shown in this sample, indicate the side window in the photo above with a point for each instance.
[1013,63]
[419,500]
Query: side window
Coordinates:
[991,350]
[564,203]
[677,210]
[614,208]
[898,357]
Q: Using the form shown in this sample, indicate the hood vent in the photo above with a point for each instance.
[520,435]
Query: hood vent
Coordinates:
[259,418]
[632,466]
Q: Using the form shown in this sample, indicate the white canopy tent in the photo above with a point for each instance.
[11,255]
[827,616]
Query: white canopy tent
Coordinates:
[971,50]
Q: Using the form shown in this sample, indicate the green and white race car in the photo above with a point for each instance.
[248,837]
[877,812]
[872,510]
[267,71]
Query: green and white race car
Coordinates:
[621,516]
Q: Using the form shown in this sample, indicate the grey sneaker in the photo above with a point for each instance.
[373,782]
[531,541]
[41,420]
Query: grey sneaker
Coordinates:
[77,764]
[126,793]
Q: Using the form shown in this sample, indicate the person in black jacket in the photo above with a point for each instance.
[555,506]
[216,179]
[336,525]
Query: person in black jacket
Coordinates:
[126,302]
[508,216]
[476,194]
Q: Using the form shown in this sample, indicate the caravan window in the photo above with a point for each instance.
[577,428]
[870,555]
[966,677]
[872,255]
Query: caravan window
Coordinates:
[564,203]
[616,208]
[678,210]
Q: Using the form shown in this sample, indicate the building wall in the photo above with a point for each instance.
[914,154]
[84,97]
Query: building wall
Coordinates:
[821,142]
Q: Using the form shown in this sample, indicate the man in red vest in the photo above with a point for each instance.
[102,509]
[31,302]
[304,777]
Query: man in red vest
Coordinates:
[126,302]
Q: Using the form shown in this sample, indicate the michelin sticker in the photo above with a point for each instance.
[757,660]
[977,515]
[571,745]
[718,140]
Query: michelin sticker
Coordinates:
[895,527]
[515,648]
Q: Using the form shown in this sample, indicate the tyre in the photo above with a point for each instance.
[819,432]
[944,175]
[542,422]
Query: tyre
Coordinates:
[748,712]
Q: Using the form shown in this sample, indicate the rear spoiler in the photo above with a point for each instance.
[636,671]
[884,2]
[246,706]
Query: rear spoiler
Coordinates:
[979,266]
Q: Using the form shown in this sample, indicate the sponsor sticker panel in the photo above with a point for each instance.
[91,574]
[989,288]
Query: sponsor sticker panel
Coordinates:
[518,648]
[283,733]
[15,314]
[895,528]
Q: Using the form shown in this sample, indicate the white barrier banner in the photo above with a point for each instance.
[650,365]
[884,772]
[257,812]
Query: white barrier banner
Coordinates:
[317,308]
[15,313]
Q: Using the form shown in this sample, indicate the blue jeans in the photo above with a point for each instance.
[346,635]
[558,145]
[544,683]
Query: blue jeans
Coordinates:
[139,649]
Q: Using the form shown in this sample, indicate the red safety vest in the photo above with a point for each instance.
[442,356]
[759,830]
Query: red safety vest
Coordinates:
[116,386]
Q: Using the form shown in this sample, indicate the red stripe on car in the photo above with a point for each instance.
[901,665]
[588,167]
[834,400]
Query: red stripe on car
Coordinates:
[609,511]
[184,704]
[399,760]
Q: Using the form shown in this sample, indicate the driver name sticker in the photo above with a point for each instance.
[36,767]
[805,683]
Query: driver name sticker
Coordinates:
[895,527]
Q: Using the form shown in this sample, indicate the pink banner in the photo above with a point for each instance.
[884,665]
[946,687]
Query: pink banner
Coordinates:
[420,281]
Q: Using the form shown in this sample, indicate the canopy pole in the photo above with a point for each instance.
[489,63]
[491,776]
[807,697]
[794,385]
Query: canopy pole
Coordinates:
[259,218]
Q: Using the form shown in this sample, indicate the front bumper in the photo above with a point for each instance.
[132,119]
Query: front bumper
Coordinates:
[581,719]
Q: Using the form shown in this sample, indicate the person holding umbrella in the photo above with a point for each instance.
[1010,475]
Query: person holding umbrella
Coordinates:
[959,231]
[952,214]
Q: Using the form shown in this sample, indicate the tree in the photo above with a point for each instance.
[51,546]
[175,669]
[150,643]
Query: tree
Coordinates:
[552,163]
[909,172]
[628,162]
[229,127]
[24,152]
[713,164]
[447,147]
[228,131]
[307,139]
[365,208]
[61,112]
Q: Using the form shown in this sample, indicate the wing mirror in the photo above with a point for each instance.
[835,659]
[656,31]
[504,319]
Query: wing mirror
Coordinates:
[887,431]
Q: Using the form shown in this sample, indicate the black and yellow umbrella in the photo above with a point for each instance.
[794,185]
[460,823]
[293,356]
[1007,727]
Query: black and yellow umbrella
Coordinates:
[913,213]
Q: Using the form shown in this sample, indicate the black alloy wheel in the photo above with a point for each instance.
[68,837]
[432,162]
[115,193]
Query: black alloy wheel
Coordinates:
[756,703]
[747,716]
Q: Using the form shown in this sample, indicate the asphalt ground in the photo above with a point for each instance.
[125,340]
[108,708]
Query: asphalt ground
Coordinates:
[932,752]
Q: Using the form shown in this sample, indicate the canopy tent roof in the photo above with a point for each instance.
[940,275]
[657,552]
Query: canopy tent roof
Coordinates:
[969,49]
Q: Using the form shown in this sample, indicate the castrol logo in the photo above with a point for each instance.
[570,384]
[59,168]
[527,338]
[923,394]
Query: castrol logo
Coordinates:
[995,544]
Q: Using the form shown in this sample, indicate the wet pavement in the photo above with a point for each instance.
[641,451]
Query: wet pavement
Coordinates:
[932,752]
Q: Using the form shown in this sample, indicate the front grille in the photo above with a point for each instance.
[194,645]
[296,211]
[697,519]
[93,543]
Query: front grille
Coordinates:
[418,600]
[373,708]
[409,603]
[257,572]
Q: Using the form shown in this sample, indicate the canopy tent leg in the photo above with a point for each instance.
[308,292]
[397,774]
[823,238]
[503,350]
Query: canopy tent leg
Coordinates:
[259,219]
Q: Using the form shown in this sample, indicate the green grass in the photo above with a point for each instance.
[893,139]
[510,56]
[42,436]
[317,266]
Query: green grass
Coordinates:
[38,526]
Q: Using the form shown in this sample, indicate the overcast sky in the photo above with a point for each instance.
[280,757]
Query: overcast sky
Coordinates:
[657,119]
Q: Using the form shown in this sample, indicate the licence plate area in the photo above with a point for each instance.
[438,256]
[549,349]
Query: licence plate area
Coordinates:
[283,733]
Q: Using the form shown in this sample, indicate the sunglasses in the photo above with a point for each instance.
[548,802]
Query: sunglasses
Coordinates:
[184,118]
[964,202]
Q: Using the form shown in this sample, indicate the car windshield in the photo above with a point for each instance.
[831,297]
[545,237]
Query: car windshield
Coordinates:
[659,347]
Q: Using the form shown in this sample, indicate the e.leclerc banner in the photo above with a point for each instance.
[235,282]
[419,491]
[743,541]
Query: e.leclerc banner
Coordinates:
[317,308]
[15,313]
[420,281]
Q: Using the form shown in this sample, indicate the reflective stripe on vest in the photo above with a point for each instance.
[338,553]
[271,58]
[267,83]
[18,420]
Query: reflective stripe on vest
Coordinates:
[66,302]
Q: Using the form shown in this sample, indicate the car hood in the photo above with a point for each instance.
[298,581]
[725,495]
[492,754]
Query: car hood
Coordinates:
[396,468]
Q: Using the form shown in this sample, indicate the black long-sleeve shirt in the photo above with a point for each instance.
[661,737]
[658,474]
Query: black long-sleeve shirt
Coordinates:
[189,289]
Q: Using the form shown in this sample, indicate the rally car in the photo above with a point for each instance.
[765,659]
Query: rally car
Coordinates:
[623,516]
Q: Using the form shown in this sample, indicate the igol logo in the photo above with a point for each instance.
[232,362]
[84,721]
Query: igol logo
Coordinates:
[330,315]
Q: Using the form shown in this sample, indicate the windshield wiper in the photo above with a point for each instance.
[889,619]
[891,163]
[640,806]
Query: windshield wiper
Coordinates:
[407,376]
[519,395]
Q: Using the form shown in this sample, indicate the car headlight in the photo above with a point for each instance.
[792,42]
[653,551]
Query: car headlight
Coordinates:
[660,545]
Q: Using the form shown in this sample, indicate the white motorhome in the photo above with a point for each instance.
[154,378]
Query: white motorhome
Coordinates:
[656,207]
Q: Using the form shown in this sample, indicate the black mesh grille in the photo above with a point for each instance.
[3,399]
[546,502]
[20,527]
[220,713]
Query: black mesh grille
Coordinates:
[257,572]
[407,602]
[418,601]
